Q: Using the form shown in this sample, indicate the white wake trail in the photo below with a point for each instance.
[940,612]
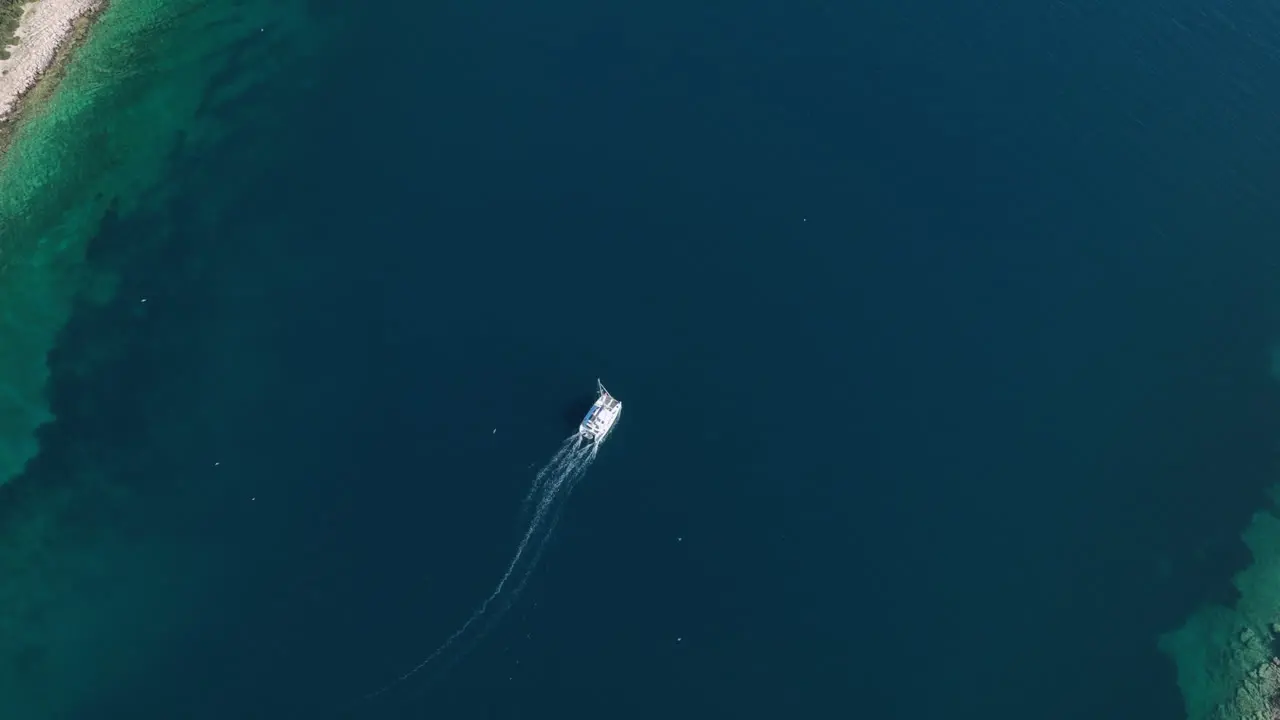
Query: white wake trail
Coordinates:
[553,482]
[570,445]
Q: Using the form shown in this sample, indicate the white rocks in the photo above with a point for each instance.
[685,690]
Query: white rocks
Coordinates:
[43,27]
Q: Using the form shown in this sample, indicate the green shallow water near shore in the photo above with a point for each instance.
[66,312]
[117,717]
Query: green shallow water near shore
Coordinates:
[155,83]
[1029,396]
[140,90]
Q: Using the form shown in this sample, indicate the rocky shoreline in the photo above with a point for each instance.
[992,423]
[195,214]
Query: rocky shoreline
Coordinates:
[44,29]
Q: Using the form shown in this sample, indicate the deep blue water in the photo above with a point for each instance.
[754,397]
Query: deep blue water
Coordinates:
[941,331]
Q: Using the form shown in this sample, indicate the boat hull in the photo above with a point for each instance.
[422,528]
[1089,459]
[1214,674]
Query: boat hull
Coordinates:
[601,418]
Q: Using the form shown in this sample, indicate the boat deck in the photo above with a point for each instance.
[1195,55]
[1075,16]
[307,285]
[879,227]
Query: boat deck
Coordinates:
[600,419]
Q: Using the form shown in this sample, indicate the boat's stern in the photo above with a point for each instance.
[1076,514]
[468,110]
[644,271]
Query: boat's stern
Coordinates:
[586,431]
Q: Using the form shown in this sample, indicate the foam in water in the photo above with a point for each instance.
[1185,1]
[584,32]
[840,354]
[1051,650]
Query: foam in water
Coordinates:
[551,486]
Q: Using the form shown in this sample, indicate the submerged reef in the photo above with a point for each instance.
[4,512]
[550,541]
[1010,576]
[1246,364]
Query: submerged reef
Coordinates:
[1227,660]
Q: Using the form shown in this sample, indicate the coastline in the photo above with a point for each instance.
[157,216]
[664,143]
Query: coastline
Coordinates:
[48,33]
[102,590]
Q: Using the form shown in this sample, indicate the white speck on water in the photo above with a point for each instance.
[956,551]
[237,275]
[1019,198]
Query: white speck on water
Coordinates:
[143,300]
[495,431]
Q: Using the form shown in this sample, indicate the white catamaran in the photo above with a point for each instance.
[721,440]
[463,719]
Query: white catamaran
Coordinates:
[601,417]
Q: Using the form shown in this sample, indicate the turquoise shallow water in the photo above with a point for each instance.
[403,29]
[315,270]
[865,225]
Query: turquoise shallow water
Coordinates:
[95,593]
[138,93]
[942,332]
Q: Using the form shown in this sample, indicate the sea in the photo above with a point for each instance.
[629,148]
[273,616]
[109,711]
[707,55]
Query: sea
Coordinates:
[943,333]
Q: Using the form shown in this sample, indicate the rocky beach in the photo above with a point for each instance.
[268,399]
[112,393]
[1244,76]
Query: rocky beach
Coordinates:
[44,27]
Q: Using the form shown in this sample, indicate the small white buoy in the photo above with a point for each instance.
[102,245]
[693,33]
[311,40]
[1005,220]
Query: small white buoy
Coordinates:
[495,431]
[144,299]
